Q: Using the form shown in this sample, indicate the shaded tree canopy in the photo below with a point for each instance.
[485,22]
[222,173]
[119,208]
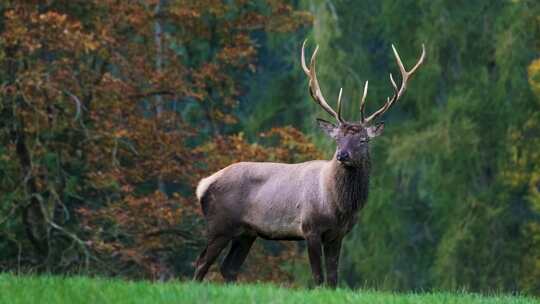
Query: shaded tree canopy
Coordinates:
[454,199]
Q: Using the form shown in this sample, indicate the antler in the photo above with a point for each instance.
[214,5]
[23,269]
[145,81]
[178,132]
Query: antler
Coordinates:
[363,101]
[315,89]
[316,94]
[405,75]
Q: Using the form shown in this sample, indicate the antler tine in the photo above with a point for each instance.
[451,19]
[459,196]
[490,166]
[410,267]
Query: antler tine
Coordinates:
[405,75]
[304,66]
[404,72]
[393,82]
[314,88]
[339,104]
[420,61]
[363,101]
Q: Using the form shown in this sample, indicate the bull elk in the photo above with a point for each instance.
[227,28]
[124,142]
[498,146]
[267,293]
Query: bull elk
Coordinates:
[316,201]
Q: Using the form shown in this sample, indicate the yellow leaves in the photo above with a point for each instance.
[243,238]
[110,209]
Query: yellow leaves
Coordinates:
[224,117]
[5,157]
[185,12]
[53,19]
[294,146]
[90,45]
[240,50]
[534,77]
[522,170]
[102,180]
[121,133]
[285,19]
[28,29]
[16,30]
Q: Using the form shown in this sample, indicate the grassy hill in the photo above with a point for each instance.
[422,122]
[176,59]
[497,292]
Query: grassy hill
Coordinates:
[15,289]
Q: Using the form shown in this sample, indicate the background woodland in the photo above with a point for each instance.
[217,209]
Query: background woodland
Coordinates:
[111,111]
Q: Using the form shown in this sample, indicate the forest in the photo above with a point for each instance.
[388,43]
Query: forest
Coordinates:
[112,111]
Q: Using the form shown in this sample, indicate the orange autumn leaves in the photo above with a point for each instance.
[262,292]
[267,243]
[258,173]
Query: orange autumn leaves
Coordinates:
[117,142]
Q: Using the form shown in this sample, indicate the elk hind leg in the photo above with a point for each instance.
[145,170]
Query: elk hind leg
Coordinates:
[235,258]
[209,255]
[200,258]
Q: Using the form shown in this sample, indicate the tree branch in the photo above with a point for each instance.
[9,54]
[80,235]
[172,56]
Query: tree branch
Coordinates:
[151,94]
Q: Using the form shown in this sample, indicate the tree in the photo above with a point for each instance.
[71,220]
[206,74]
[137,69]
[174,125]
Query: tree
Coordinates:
[441,212]
[109,115]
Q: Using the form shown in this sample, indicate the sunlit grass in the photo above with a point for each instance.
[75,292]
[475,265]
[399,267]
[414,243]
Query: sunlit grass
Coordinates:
[47,289]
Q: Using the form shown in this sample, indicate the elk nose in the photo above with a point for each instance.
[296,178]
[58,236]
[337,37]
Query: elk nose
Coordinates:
[342,156]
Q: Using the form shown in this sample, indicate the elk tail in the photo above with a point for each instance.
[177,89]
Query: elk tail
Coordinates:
[202,189]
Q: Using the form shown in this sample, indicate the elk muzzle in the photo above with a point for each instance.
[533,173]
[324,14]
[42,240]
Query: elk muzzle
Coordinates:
[343,156]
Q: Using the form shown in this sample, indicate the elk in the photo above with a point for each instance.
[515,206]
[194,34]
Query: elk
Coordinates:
[317,201]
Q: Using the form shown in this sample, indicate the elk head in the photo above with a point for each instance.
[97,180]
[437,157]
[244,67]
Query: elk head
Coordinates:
[353,138]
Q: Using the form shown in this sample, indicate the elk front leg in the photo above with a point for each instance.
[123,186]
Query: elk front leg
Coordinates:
[331,255]
[314,253]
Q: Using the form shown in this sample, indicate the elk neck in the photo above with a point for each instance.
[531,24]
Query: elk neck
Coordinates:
[349,185]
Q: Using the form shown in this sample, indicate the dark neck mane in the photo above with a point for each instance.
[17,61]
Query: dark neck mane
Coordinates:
[351,185]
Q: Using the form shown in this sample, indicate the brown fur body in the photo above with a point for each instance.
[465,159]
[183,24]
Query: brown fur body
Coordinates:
[316,200]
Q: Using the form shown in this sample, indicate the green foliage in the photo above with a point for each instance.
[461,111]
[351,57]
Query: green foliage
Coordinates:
[441,212]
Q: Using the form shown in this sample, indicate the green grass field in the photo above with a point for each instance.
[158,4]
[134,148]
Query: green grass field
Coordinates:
[14,289]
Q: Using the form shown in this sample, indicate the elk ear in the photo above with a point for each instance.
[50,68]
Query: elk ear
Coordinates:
[328,127]
[376,130]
